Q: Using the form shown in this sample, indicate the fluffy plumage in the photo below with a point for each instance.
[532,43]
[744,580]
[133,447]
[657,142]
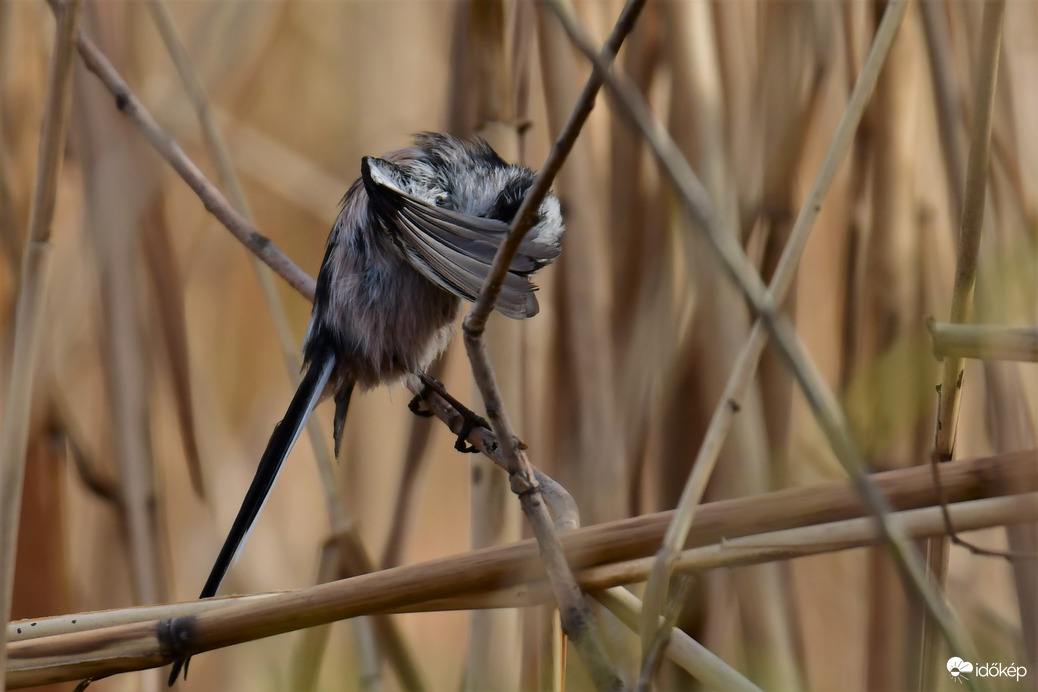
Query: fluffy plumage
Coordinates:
[416,234]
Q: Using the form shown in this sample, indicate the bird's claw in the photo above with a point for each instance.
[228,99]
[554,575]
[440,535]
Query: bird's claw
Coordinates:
[470,423]
[415,405]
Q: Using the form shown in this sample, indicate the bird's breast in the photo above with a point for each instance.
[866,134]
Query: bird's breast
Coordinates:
[385,317]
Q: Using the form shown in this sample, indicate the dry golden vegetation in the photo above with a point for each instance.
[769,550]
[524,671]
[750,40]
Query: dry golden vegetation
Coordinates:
[876,164]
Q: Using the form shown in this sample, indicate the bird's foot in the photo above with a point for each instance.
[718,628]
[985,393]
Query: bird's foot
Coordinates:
[470,419]
[415,405]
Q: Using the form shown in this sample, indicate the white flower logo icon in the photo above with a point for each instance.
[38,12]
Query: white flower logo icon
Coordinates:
[957,667]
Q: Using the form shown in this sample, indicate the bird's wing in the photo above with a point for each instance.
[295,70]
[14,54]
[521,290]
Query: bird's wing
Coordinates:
[455,250]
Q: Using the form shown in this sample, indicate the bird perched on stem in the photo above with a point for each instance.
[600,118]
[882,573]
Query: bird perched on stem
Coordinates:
[417,233]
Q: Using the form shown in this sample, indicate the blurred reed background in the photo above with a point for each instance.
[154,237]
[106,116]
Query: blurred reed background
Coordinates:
[161,354]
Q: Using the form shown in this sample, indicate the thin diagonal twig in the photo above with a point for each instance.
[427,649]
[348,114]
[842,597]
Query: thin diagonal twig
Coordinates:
[577,619]
[827,411]
[128,104]
[32,296]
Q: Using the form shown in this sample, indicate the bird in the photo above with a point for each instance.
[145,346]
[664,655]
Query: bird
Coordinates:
[416,234]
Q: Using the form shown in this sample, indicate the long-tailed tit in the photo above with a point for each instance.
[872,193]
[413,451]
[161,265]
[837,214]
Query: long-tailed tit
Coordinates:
[417,233]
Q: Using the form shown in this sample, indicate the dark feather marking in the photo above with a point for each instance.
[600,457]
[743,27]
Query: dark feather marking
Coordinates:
[281,442]
[342,405]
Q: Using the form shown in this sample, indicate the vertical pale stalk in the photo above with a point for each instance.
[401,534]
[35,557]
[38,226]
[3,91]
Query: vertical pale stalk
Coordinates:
[889,314]
[1007,295]
[32,296]
[640,268]
[946,94]
[112,162]
[495,519]
[788,87]
[9,241]
[543,658]
[743,368]
[722,325]
[972,220]
[636,236]
[595,438]
[968,248]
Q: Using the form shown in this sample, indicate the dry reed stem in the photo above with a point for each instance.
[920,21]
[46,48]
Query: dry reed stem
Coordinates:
[888,308]
[592,437]
[168,296]
[147,642]
[746,363]
[340,522]
[111,222]
[308,651]
[1010,425]
[353,560]
[32,297]
[794,65]
[820,398]
[403,501]
[699,118]
[946,93]
[967,250]
[10,241]
[823,538]
[984,341]
[909,488]
[492,659]
[972,220]
[738,543]
[577,619]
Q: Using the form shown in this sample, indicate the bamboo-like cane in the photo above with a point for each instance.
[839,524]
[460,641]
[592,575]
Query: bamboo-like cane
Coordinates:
[130,639]
[611,553]
[32,298]
[984,341]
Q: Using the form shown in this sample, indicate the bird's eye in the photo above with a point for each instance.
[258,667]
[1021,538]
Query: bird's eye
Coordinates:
[441,199]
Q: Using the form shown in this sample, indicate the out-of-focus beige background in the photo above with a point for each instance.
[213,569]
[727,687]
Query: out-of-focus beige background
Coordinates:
[612,385]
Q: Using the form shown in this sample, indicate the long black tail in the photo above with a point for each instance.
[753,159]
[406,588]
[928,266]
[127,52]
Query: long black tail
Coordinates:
[281,442]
